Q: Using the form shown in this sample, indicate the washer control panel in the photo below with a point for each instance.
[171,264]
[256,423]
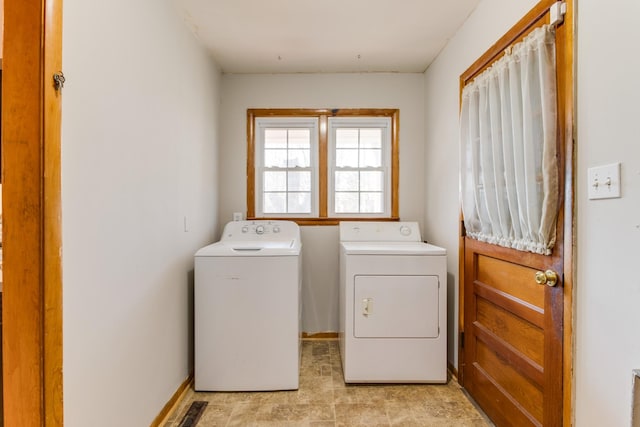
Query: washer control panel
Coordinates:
[258,230]
[372,231]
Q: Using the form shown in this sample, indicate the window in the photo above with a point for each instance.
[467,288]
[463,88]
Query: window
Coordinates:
[359,159]
[286,166]
[322,166]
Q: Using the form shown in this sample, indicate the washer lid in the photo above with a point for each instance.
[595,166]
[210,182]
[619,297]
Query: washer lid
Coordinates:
[249,248]
[391,248]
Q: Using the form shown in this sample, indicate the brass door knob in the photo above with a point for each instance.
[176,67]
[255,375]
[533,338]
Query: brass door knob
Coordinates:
[549,278]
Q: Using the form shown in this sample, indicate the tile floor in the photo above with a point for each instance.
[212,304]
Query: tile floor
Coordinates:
[323,399]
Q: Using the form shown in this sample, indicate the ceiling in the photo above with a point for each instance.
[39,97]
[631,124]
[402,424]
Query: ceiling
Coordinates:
[324,36]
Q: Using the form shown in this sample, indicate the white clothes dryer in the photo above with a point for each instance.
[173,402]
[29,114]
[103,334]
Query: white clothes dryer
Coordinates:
[393,297]
[247,308]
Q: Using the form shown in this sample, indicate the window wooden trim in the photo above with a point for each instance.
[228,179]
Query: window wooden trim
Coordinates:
[323,146]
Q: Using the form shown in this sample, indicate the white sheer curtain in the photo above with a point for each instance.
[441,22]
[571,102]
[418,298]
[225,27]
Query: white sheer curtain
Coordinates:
[508,134]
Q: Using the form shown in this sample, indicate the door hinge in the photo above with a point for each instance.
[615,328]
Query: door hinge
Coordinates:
[462,339]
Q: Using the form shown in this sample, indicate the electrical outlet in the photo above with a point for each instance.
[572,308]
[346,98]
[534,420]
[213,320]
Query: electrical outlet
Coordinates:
[237,216]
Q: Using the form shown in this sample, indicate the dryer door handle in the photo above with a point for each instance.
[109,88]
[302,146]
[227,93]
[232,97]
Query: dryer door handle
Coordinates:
[367,306]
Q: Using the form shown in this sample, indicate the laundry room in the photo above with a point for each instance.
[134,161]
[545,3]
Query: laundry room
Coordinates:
[106,204]
[401,91]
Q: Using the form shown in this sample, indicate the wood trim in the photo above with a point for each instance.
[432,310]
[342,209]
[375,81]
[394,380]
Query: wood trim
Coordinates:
[323,114]
[316,112]
[461,284]
[52,218]
[323,165]
[251,171]
[395,164]
[322,221]
[453,372]
[32,312]
[567,85]
[173,403]
[320,336]
[515,34]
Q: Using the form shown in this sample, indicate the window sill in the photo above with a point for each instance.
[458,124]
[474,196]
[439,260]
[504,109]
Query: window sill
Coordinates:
[322,221]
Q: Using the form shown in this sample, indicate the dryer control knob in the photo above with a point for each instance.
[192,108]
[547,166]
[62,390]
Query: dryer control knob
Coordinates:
[405,231]
[260,229]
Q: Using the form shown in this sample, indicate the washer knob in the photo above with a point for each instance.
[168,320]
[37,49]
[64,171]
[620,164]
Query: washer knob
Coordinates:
[260,229]
[245,228]
[276,228]
[405,231]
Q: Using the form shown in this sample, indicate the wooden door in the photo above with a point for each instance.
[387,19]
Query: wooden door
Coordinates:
[514,352]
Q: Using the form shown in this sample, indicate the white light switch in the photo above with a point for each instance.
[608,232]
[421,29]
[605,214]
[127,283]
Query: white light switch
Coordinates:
[604,181]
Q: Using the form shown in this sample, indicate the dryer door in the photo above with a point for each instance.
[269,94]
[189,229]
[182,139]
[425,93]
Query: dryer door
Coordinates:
[396,307]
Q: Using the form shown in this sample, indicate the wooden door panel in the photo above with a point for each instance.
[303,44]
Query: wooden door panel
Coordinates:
[525,337]
[501,408]
[510,278]
[523,390]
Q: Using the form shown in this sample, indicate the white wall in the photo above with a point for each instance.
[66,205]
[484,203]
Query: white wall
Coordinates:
[608,231]
[608,283]
[320,244]
[139,153]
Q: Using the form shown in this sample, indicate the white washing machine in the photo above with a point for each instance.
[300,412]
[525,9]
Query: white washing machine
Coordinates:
[247,308]
[393,298]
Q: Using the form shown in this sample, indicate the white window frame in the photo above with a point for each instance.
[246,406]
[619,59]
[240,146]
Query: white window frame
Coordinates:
[263,123]
[383,123]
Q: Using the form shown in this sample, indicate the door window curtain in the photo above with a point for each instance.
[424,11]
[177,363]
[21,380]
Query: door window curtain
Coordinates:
[508,136]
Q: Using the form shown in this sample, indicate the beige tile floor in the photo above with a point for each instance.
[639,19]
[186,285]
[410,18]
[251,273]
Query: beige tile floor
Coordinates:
[323,399]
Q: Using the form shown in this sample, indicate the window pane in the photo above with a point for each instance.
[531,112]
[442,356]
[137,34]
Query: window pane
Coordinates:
[299,158]
[299,202]
[275,181]
[275,138]
[347,181]
[299,138]
[347,158]
[275,158]
[370,158]
[371,203]
[371,180]
[371,138]
[274,203]
[346,138]
[299,181]
[346,202]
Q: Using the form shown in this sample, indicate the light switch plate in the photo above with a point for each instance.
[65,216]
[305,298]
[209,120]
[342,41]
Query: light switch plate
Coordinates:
[604,181]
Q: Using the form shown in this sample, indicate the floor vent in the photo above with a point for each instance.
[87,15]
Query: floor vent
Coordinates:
[193,414]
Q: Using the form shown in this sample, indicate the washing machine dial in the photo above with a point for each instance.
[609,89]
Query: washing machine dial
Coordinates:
[276,228]
[405,231]
[245,229]
[260,229]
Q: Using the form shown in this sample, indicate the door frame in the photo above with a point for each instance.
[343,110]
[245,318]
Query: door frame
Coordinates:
[567,109]
[32,247]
